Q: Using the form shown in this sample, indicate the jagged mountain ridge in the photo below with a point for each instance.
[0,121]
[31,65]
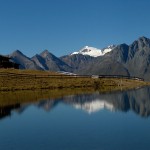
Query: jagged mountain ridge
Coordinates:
[24,61]
[47,61]
[43,61]
[123,59]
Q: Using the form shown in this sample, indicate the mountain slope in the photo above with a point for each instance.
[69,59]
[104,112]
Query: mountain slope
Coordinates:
[133,60]
[77,61]
[138,62]
[48,61]
[24,61]
[108,64]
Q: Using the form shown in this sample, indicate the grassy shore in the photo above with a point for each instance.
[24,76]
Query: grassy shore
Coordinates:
[34,80]
[28,96]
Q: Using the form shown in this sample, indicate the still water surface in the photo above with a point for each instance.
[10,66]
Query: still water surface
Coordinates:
[92,121]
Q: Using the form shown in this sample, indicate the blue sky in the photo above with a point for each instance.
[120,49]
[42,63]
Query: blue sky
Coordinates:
[64,26]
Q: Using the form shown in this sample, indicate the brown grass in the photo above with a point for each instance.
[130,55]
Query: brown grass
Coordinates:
[34,80]
[20,97]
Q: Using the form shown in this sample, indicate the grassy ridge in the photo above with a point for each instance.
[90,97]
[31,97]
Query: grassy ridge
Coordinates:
[32,81]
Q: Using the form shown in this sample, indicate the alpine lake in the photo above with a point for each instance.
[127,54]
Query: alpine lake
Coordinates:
[75,120]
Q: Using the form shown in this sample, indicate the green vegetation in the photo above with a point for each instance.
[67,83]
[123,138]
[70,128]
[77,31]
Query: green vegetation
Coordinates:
[12,80]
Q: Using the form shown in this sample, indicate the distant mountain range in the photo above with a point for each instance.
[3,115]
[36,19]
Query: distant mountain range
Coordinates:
[123,59]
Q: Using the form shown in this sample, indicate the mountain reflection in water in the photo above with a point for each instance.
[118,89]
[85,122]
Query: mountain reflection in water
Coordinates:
[137,101]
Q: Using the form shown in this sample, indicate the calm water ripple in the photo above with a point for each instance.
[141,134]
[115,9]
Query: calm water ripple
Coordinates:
[91,121]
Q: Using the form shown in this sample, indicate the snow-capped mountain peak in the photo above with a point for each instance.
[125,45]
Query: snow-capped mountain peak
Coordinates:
[91,51]
[94,52]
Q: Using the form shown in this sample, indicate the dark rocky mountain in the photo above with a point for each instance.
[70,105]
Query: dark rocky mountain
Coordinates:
[109,64]
[133,60]
[78,62]
[44,61]
[138,62]
[47,61]
[24,61]
[130,60]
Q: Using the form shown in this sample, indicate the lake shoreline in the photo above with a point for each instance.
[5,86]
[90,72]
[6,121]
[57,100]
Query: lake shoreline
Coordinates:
[19,80]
